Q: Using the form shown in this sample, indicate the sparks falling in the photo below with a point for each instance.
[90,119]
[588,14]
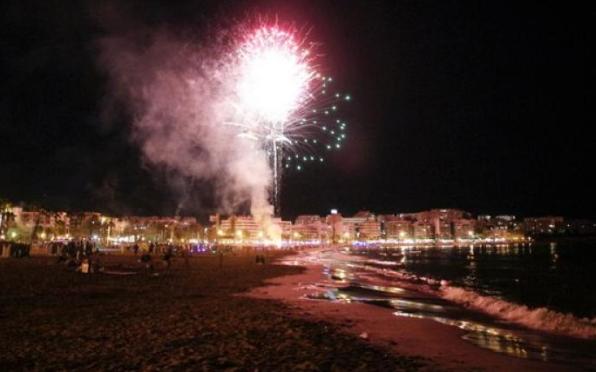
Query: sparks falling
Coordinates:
[284,103]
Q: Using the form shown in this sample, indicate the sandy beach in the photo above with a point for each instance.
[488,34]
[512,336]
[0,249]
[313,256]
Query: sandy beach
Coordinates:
[186,318]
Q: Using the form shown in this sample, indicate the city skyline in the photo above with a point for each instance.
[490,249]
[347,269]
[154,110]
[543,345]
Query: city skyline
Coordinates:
[435,226]
[207,215]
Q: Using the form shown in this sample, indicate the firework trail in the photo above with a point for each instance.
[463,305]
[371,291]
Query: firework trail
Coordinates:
[284,103]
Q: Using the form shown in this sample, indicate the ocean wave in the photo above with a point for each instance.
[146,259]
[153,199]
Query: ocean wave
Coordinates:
[541,318]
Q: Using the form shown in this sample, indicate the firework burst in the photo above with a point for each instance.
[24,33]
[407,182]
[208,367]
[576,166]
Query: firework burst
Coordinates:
[284,103]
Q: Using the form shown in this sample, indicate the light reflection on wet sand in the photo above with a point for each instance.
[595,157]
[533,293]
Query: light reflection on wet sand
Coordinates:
[351,282]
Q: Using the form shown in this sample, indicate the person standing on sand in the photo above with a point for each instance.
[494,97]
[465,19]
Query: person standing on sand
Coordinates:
[167,256]
[95,264]
[88,248]
[79,250]
[146,260]
[185,253]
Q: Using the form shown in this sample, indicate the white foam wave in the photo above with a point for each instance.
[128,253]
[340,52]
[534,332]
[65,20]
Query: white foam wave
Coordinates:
[539,318]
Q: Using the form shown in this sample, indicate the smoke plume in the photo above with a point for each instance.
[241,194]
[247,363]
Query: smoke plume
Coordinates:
[181,98]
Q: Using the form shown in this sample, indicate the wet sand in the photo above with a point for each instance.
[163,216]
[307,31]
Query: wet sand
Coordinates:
[442,344]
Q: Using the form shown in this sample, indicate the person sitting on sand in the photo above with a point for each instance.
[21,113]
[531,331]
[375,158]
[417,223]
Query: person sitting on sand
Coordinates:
[71,263]
[62,257]
[84,266]
[93,264]
[167,256]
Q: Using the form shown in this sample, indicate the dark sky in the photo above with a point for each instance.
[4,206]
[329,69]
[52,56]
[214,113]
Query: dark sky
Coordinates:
[485,106]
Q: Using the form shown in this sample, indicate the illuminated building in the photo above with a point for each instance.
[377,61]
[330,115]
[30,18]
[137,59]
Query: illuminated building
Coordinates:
[580,227]
[310,227]
[335,222]
[464,229]
[246,228]
[362,226]
[398,228]
[505,217]
[369,229]
[543,225]
[423,230]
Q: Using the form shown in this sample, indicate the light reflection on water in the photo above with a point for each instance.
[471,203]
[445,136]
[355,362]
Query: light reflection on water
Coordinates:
[353,283]
[555,275]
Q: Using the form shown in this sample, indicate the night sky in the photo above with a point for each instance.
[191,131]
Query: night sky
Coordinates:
[475,105]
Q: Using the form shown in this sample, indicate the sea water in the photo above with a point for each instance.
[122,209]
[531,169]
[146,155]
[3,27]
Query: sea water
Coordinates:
[534,301]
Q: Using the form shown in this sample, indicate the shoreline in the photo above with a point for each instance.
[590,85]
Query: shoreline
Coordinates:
[411,337]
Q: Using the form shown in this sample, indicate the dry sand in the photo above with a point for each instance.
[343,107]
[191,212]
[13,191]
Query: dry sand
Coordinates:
[188,318]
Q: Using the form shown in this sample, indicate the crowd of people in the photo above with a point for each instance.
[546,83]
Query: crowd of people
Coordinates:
[167,251]
[12,249]
[85,255]
[78,255]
